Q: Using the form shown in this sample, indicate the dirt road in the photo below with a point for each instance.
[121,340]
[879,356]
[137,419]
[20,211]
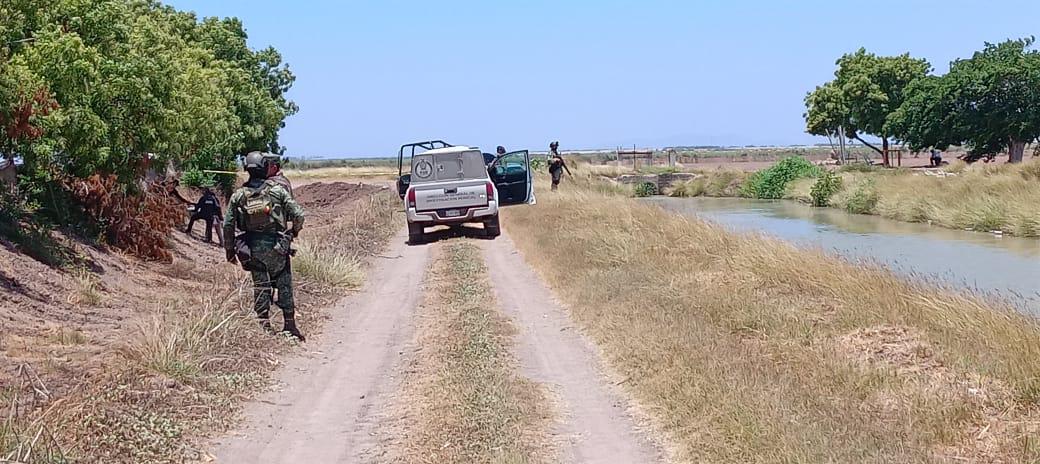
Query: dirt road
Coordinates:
[595,425]
[331,403]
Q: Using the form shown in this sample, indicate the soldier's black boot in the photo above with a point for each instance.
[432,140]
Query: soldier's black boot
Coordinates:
[290,328]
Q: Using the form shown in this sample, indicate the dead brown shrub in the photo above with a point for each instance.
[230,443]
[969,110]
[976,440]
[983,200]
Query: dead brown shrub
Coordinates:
[138,223]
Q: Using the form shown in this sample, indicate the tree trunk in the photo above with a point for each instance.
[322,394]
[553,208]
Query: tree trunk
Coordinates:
[868,145]
[884,152]
[1016,152]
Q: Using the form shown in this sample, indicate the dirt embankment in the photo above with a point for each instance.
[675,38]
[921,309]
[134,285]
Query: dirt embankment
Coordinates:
[121,359]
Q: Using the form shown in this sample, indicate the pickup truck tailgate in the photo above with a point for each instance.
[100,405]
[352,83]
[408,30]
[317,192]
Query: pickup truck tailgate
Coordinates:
[455,195]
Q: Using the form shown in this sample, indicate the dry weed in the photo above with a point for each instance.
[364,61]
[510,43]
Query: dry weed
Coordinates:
[87,289]
[738,344]
[326,268]
[464,401]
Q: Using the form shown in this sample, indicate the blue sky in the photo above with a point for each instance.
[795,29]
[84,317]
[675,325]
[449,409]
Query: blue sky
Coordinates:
[372,75]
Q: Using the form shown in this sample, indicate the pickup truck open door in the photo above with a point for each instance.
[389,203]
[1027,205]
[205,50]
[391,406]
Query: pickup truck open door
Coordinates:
[513,178]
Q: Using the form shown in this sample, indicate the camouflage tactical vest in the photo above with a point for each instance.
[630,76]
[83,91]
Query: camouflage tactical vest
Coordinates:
[257,210]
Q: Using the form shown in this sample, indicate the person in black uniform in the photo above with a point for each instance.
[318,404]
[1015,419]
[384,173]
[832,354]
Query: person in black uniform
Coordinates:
[207,209]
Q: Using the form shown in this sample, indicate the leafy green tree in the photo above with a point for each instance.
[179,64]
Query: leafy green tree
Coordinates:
[867,88]
[926,118]
[136,84]
[94,93]
[989,103]
[827,112]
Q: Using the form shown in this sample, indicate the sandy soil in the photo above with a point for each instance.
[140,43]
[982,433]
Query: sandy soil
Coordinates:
[63,321]
[597,423]
[332,402]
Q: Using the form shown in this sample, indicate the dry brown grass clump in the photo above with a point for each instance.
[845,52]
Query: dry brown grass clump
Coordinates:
[746,349]
[611,170]
[88,291]
[717,183]
[981,197]
[464,401]
[329,257]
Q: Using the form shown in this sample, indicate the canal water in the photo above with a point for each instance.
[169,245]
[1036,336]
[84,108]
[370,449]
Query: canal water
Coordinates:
[1004,267]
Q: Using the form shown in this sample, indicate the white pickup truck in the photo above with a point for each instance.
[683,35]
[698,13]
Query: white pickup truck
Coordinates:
[454,185]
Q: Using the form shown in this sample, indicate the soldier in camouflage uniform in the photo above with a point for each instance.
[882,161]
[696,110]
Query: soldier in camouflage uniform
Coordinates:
[274,172]
[262,209]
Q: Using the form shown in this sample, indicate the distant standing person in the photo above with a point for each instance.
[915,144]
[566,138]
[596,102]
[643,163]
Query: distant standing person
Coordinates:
[207,209]
[274,172]
[489,159]
[557,165]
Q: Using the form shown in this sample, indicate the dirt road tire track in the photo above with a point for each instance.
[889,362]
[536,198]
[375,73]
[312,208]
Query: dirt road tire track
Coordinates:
[330,401]
[596,423]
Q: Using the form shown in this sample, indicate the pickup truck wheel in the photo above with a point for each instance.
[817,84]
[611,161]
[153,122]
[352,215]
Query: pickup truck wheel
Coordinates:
[492,228]
[416,234]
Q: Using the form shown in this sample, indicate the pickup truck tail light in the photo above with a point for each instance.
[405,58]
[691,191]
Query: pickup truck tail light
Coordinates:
[490,191]
[411,198]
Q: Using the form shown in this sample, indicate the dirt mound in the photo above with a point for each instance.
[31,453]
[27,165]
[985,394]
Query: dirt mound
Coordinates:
[321,194]
[326,202]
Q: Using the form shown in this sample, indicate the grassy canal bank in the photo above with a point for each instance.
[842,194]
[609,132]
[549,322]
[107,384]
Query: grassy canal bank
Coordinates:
[745,349]
[980,197]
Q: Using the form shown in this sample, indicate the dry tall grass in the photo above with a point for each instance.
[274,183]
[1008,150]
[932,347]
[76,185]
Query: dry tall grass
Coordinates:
[611,170]
[330,258]
[981,197]
[464,401]
[326,268]
[717,183]
[746,349]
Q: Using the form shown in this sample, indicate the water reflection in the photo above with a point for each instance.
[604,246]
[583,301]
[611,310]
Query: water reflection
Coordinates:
[1006,266]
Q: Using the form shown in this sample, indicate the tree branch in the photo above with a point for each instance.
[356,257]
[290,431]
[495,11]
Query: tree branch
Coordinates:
[17,42]
[864,142]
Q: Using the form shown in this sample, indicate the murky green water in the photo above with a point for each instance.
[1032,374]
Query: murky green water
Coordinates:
[1005,267]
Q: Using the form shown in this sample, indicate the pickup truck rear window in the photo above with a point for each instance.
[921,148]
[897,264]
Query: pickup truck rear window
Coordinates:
[448,166]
